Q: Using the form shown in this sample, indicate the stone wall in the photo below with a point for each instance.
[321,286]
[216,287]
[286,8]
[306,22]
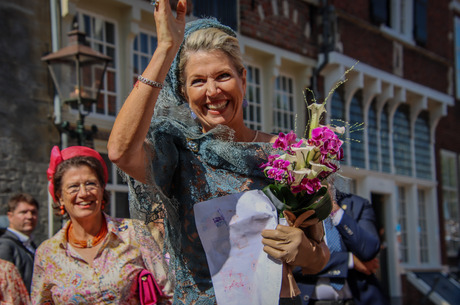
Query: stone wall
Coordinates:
[26,131]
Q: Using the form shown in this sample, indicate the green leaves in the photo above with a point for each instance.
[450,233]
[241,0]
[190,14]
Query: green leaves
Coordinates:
[284,199]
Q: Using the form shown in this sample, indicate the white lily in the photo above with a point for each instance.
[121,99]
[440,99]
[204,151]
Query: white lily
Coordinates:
[317,168]
[299,175]
[316,111]
[301,155]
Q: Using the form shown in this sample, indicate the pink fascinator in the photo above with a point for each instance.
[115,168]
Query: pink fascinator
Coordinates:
[57,156]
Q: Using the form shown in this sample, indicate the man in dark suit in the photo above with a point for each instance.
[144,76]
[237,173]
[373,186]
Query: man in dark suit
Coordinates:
[348,277]
[16,244]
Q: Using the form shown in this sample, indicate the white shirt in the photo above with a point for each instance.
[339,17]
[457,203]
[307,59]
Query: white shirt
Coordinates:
[26,240]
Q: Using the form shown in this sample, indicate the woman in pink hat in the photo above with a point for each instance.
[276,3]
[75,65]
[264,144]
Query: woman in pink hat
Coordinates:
[94,258]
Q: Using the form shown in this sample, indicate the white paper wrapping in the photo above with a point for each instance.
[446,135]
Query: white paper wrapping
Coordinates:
[230,230]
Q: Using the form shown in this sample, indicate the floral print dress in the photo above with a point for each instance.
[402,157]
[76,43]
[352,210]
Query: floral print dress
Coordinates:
[12,288]
[62,276]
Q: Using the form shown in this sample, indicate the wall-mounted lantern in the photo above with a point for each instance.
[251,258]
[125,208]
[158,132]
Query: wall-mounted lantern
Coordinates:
[78,73]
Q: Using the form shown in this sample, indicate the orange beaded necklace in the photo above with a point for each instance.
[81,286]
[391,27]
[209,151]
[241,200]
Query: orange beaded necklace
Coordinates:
[90,242]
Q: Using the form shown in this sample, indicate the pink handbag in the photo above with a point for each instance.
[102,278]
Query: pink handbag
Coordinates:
[149,291]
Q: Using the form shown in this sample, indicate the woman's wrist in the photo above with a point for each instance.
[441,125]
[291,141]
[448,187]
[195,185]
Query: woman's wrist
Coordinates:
[334,211]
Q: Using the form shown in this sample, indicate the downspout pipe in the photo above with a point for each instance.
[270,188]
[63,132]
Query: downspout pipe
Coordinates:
[55,34]
[327,43]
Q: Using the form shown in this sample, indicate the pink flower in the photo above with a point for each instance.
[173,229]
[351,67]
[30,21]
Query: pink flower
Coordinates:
[271,158]
[286,141]
[324,174]
[276,173]
[311,186]
[327,141]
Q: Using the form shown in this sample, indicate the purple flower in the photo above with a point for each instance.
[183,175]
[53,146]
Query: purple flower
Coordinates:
[324,174]
[276,173]
[340,154]
[285,141]
[280,163]
[311,186]
[327,141]
[271,158]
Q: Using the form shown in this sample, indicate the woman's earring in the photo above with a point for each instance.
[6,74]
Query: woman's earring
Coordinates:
[245,103]
[193,114]
[103,205]
[62,212]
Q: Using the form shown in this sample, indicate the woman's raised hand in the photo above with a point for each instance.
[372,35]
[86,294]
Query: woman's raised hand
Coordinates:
[170,28]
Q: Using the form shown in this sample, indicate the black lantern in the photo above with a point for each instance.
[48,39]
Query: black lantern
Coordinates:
[78,72]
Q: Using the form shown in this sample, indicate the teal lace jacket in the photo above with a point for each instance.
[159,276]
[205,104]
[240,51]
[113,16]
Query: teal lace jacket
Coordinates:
[188,169]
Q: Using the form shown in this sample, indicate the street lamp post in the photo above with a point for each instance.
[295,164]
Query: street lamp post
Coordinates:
[78,78]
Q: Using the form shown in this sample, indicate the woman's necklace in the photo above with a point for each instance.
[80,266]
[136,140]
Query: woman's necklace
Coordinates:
[255,137]
[90,242]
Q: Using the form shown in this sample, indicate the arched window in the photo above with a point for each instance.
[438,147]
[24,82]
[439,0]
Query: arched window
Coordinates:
[372,135]
[401,141]
[338,114]
[356,131]
[337,108]
[385,140]
[422,146]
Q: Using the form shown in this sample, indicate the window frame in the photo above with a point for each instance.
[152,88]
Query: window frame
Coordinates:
[115,185]
[457,55]
[291,113]
[224,11]
[112,68]
[424,251]
[450,189]
[252,104]
[140,54]
[400,20]
[402,154]
[422,147]
[402,227]
[356,132]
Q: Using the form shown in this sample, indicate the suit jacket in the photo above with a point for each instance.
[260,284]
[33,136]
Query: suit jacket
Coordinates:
[12,249]
[359,236]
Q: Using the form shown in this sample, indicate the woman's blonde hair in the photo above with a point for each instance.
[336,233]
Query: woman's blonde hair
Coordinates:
[210,39]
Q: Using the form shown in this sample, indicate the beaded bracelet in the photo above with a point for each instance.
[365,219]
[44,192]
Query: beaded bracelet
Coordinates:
[150,82]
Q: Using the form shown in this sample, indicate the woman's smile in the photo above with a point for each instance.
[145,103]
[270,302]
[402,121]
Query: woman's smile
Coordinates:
[85,204]
[82,194]
[217,106]
[215,89]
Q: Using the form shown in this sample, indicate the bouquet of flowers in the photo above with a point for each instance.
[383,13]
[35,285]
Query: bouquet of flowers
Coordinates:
[300,173]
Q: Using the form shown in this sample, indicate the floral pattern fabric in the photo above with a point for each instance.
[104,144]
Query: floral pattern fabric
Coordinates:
[12,288]
[62,276]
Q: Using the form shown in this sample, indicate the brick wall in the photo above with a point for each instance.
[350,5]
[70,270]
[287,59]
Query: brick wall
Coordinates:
[357,8]
[420,68]
[364,41]
[366,45]
[283,25]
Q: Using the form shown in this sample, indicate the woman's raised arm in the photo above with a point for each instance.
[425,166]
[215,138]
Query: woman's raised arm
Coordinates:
[127,139]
